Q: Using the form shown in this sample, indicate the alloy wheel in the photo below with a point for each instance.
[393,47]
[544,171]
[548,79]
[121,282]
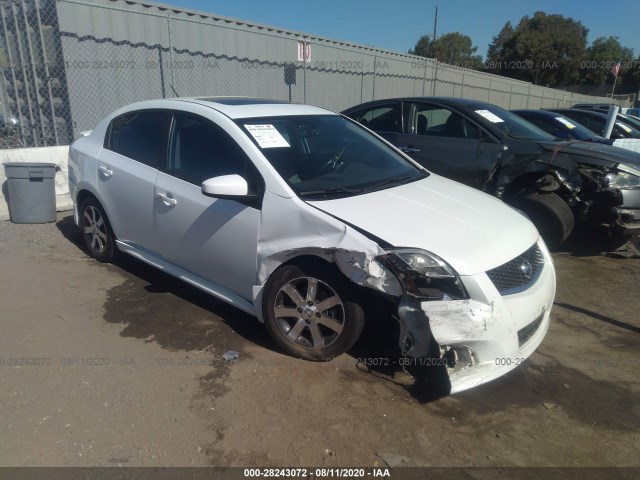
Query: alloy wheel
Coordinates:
[95,229]
[309,312]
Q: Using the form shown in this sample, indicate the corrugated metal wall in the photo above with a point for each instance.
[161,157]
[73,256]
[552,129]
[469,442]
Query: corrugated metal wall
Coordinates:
[68,63]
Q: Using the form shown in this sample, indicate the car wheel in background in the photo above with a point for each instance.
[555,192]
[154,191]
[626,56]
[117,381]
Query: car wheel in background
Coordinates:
[96,231]
[311,313]
[549,213]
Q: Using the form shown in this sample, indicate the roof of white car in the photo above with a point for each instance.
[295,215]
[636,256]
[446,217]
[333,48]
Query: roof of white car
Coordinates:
[245,107]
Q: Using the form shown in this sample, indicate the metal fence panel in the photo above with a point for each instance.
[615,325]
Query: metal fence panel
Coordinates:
[68,63]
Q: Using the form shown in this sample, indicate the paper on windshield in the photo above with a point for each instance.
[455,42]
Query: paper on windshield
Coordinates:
[267,136]
[565,122]
[624,127]
[492,117]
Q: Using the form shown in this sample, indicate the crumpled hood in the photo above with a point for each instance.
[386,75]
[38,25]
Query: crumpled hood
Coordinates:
[608,153]
[472,231]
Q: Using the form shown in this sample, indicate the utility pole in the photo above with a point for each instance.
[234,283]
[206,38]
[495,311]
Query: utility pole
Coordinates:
[435,24]
[435,28]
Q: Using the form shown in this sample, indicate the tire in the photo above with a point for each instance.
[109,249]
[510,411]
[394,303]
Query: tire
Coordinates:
[317,323]
[549,213]
[96,232]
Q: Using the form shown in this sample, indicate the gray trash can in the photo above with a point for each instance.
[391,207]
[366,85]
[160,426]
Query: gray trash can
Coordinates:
[32,192]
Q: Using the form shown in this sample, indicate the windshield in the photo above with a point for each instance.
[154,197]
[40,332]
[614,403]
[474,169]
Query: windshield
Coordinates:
[559,126]
[576,130]
[630,121]
[510,123]
[324,156]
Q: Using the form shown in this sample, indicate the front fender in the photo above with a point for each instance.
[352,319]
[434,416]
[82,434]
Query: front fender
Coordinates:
[540,176]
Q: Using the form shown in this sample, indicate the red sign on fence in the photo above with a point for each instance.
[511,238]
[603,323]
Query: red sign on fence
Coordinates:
[304,52]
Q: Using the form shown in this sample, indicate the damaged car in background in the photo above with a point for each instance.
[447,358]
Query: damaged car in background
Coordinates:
[305,219]
[554,182]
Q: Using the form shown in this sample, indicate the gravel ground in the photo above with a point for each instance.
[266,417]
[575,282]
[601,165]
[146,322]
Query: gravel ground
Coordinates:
[108,365]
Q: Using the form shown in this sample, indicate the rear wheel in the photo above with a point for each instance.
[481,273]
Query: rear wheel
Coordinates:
[96,231]
[310,312]
[549,213]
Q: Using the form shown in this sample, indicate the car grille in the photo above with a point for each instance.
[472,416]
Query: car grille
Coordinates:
[524,334]
[518,274]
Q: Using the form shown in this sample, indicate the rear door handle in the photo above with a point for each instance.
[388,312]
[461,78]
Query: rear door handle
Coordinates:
[105,170]
[165,199]
[407,149]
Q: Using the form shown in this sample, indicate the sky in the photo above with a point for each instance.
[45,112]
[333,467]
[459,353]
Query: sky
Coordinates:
[398,25]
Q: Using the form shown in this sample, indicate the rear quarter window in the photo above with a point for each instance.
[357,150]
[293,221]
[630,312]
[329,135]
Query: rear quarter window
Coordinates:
[141,136]
[380,118]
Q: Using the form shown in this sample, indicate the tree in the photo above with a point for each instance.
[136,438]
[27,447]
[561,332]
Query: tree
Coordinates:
[456,49]
[601,56]
[453,48]
[631,76]
[543,49]
[422,48]
[494,54]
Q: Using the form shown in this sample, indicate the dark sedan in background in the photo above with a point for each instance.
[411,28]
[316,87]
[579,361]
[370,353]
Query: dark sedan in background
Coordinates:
[489,148]
[596,122]
[599,107]
[629,120]
[560,126]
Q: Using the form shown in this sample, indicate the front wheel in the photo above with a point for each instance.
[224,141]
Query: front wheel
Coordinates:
[549,213]
[310,312]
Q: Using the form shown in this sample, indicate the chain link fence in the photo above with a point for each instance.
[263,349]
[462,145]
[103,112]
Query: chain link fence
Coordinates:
[65,64]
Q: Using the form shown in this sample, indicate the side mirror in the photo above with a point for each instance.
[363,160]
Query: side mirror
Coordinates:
[226,186]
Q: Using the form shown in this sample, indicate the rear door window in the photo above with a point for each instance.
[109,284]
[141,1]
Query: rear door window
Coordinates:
[434,120]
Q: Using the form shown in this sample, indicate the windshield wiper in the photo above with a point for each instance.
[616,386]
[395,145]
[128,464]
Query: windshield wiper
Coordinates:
[399,179]
[331,191]
[351,191]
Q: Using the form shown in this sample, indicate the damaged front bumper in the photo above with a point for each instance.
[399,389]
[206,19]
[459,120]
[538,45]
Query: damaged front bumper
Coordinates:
[628,214]
[611,198]
[629,220]
[487,335]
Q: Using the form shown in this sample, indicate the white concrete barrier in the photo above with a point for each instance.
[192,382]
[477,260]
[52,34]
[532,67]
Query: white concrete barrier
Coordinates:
[57,155]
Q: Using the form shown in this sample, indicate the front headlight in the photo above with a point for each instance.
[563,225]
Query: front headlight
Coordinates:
[622,180]
[424,274]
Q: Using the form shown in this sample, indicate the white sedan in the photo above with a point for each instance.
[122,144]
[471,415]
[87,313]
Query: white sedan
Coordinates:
[302,218]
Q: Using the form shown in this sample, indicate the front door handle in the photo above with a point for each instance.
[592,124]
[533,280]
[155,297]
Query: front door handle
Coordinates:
[165,199]
[408,149]
[105,170]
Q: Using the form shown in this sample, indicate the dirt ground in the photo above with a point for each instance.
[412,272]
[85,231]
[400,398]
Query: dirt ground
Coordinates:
[106,365]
